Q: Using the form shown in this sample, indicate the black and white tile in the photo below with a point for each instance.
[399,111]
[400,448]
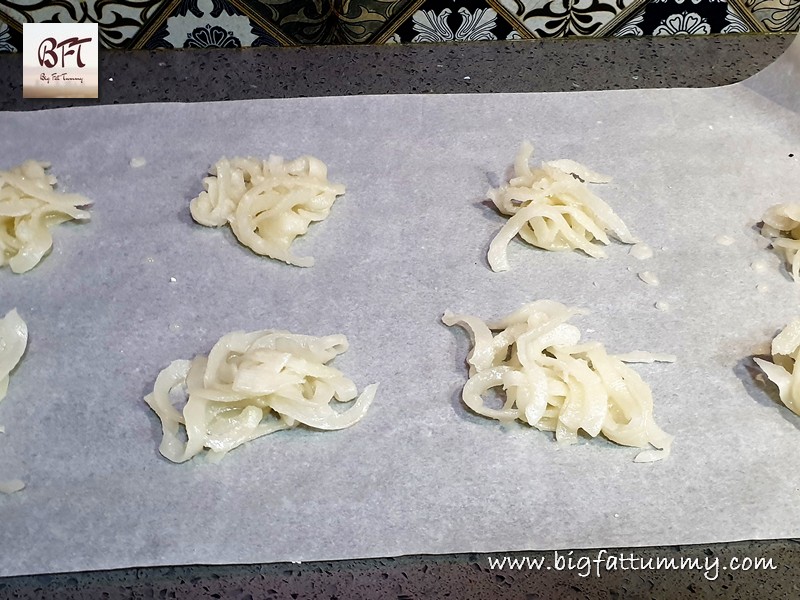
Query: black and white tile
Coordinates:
[206,24]
[241,23]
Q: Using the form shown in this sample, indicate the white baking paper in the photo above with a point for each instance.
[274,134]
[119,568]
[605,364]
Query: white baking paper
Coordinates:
[420,474]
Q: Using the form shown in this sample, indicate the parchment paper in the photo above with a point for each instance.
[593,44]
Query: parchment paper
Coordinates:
[420,474]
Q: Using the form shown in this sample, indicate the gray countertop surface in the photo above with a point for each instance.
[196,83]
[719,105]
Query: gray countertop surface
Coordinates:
[482,67]
[486,67]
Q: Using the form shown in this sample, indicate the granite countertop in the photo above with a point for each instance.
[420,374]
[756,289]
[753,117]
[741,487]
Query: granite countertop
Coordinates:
[524,66]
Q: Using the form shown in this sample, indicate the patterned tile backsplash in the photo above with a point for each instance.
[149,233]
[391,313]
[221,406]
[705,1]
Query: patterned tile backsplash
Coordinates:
[130,24]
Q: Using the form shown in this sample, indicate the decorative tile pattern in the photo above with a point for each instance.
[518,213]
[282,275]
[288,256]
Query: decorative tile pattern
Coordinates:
[631,26]
[119,20]
[685,23]
[328,21]
[9,42]
[736,23]
[204,24]
[682,17]
[446,21]
[360,21]
[559,18]
[240,23]
[303,23]
[776,15]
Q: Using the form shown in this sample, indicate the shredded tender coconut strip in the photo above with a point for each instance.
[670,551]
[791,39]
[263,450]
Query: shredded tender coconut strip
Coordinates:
[554,382]
[649,277]
[782,227]
[250,385]
[11,486]
[781,371]
[268,203]
[552,208]
[13,340]
[29,208]
[641,251]
[639,356]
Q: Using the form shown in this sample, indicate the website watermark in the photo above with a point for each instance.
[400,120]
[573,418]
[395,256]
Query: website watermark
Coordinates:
[604,562]
[59,60]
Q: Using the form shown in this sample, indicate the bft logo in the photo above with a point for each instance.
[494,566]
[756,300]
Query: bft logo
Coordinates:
[48,57]
[59,60]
